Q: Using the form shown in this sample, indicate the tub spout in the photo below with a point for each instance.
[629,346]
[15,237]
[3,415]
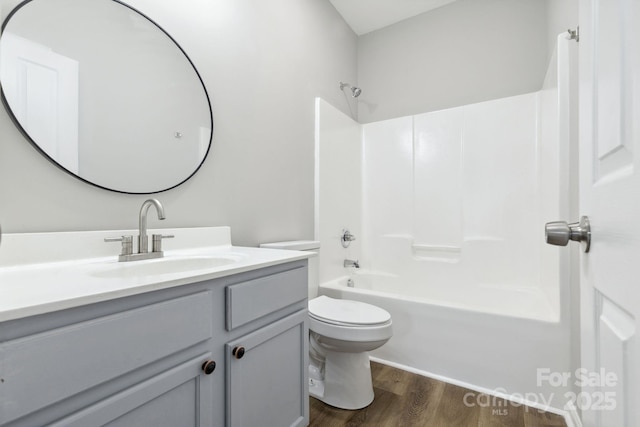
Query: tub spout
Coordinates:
[351,263]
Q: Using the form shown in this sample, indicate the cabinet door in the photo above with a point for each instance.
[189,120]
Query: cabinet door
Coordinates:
[267,377]
[178,397]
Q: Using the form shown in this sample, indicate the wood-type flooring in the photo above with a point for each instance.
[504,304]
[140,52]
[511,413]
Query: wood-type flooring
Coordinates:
[406,399]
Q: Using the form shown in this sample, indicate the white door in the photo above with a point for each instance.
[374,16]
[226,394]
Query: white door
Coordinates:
[41,87]
[609,52]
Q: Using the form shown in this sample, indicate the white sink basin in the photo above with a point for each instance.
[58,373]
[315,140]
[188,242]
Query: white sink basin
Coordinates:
[169,265]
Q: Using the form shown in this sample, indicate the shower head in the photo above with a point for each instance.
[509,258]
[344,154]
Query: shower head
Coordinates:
[355,91]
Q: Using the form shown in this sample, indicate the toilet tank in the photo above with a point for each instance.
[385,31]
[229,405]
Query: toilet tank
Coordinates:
[312,246]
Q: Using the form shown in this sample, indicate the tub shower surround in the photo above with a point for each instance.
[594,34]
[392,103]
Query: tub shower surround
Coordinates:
[453,207]
[449,208]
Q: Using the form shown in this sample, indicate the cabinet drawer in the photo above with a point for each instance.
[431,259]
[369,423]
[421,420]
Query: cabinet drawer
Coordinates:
[45,368]
[250,300]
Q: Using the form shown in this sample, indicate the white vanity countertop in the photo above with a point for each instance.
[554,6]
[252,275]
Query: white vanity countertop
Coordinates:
[45,272]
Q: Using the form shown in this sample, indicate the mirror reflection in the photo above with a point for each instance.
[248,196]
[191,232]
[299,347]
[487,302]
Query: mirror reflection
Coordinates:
[104,93]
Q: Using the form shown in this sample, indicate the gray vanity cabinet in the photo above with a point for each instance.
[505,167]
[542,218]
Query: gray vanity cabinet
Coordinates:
[140,360]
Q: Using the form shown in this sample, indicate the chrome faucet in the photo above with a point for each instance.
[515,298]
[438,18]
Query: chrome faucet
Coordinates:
[351,263]
[143,240]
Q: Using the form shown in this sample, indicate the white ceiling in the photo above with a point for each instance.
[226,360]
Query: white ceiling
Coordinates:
[365,16]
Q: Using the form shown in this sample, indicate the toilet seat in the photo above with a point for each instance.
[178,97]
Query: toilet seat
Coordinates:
[347,312]
[325,320]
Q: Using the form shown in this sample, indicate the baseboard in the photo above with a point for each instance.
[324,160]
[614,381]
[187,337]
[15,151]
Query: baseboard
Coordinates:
[570,415]
[572,418]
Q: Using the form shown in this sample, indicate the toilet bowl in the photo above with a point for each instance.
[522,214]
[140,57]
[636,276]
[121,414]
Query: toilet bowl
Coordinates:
[341,333]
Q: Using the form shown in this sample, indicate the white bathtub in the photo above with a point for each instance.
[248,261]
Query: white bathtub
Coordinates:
[453,341]
[527,302]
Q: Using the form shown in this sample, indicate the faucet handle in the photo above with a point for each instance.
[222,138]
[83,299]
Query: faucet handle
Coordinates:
[156,245]
[127,243]
[346,238]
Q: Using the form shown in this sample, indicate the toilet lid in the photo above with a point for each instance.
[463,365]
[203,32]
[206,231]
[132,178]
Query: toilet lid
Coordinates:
[348,312]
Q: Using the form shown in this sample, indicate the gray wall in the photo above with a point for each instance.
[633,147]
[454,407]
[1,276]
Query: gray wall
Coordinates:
[465,52]
[263,63]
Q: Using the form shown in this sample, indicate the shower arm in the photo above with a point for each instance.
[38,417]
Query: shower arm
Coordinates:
[355,91]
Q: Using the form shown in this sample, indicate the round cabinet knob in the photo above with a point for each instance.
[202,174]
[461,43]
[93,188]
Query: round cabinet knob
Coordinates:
[238,352]
[208,367]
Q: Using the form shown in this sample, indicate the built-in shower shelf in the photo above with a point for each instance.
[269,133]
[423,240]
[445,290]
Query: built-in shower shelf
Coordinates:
[423,252]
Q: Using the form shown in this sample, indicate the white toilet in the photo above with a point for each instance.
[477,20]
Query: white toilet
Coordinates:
[341,332]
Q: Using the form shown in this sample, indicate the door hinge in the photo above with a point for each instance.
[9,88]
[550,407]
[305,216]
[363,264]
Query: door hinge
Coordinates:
[574,34]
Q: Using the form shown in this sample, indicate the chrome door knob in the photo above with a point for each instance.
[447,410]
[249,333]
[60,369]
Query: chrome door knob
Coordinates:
[559,233]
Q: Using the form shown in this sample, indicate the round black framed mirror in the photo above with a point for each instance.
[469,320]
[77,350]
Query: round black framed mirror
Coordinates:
[105,93]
